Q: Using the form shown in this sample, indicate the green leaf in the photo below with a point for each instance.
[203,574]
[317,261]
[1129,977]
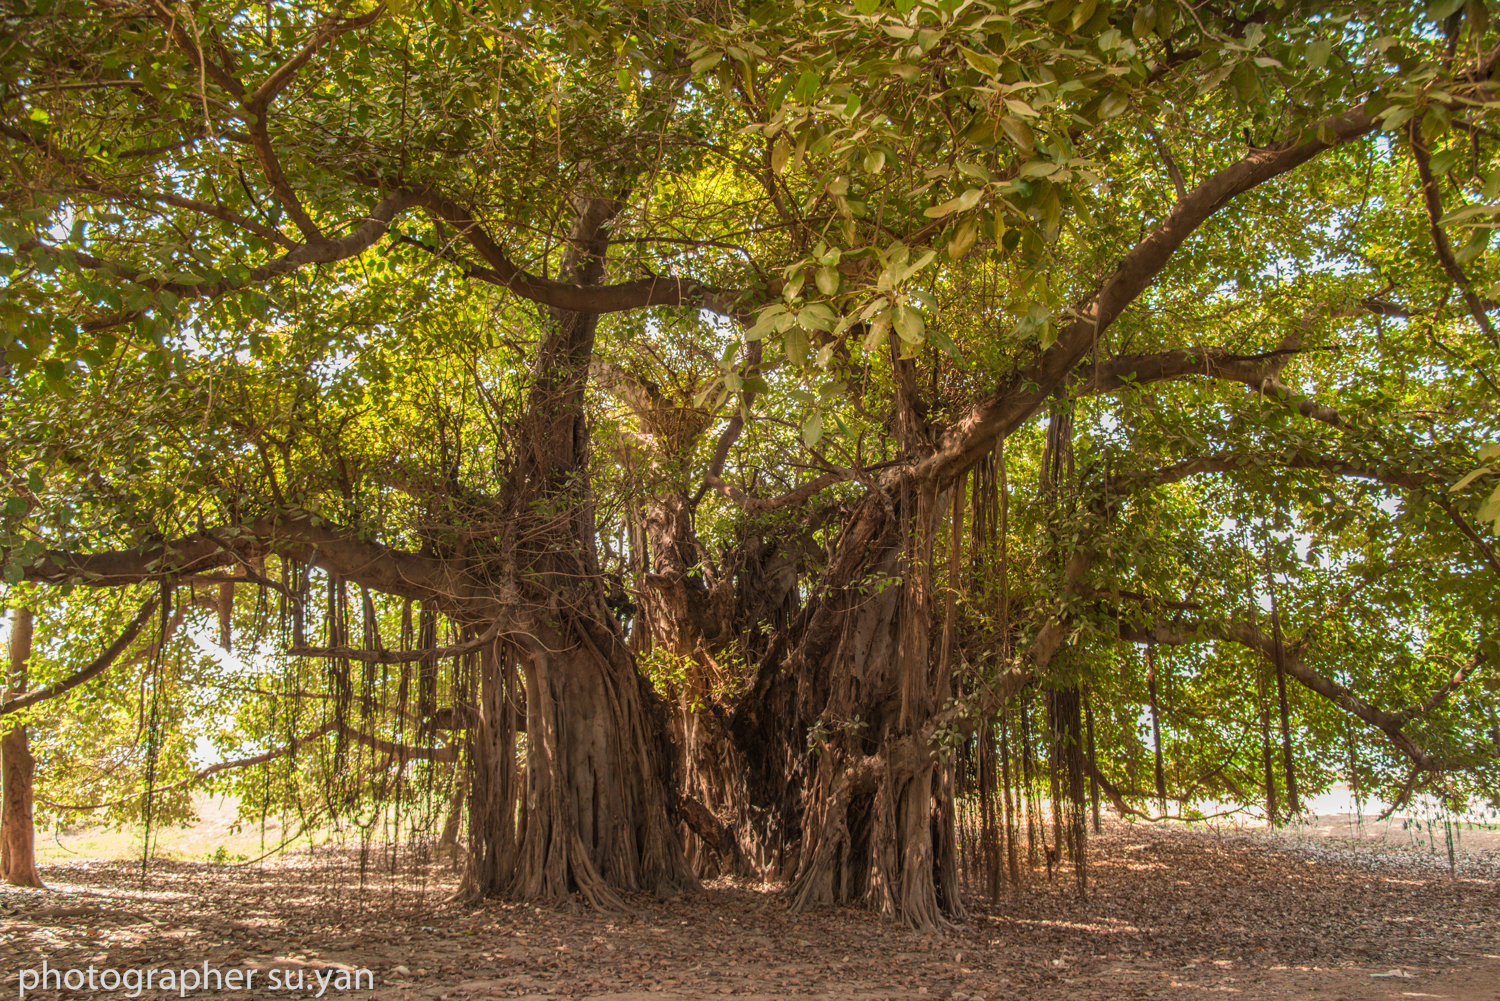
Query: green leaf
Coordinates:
[1141,23]
[812,429]
[987,65]
[879,327]
[1019,133]
[780,154]
[1490,510]
[828,280]
[909,324]
[816,316]
[1318,52]
[963,239]
[1047,334]
[794,342]
[962,203]
[1246,82]
[1474,247]
[1441,10]
[766,322]
[807,86]
[1470,478]
[940,337]
[1468,212]
[898,273]
[1443,162]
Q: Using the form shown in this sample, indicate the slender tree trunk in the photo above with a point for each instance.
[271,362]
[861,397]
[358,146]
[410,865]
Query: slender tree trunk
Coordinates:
[1088,716]
[1012,858]
[17,771]
[448,840]
[1054,752]
[1272,815]
[494,778]
[1161,776]
[1287,759]
[1068,708]
[1028,783]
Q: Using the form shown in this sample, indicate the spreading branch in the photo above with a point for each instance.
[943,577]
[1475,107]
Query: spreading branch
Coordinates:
[972,437]
[406,752]
[298,536]
[1432,198]
[95,668]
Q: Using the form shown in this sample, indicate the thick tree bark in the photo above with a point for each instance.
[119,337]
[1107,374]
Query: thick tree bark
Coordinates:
[17,772]
[877,822]
[699,613]
[593,810]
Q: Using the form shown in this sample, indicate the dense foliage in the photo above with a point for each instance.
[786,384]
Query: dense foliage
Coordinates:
[893,385]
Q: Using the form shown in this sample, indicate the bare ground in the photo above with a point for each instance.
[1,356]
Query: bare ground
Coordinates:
[1171,913]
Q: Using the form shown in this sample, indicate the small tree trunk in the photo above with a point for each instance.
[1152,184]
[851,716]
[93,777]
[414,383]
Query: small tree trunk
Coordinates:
[1054,752]
[1028,784]
[1012,858]
[1161,776]
[17,771]
[1068,709]
[1088,716]
[991,815]
[493,775]
[448,840]
[1266,756]
[1288,761]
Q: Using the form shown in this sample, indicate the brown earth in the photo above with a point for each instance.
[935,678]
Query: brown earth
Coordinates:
[1171,913]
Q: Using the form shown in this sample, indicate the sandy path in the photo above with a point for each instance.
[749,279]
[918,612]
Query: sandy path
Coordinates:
[1171,914]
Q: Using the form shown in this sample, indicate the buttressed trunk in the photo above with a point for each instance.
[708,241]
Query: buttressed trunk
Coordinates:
[701,614]
[686,613]
[591,813]
[877,818]
[704,615]
[17,771]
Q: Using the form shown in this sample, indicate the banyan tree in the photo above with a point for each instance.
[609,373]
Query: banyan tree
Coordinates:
[773,440]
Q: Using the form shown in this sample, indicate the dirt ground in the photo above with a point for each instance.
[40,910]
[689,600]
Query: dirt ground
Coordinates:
[1171,913]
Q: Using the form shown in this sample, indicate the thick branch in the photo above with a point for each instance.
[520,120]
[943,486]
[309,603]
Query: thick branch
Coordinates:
[973,436]
[653,291]
[794,496]
[1260,372]
[334,547]
[1433,199]
[93,670]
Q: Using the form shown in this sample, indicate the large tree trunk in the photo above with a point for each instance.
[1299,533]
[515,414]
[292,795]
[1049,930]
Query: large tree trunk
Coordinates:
[595,815]
[694,612]
[593,810]
[877,824]
[17,772]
